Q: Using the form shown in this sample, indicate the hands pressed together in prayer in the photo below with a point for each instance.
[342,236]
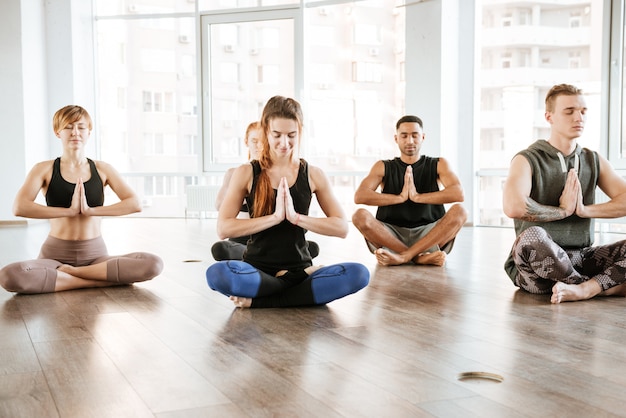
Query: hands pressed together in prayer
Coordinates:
[284,204]
[409,192]
[79,204]
[571,200]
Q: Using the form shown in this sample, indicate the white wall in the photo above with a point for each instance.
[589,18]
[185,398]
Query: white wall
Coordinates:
[12,104]
[46,64]
[440,82]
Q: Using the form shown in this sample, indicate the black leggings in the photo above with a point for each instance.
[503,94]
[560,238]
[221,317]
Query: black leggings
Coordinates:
[296,288]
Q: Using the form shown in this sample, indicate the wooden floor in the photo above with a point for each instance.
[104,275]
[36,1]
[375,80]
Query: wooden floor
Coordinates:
[171,347]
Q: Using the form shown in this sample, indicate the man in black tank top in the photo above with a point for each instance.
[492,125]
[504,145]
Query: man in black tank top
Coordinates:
[411,223]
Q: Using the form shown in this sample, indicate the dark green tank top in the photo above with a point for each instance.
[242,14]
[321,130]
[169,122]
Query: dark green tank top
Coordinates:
[549,172]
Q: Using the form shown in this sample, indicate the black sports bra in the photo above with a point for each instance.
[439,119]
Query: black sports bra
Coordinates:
[60,191]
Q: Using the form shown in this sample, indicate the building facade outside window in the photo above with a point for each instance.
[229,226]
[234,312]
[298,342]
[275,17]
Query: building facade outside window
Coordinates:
[526,47]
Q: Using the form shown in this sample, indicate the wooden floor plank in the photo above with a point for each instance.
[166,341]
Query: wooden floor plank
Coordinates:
[171,347]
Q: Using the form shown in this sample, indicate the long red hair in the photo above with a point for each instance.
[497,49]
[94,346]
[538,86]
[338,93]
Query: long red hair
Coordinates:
[276,107]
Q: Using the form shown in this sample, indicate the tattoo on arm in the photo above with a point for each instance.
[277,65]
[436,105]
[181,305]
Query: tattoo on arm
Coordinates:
[536,212]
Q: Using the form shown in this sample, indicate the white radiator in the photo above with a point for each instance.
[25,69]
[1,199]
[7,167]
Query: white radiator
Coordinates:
[201,199]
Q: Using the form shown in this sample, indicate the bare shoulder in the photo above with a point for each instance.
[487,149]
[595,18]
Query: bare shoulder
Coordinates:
[519,163]
[609,180]
[379,165]
[104,166]
[108,173]
[43,166]
[242,170]
[442,162]
[42,169]
[241,175]
[378,169]
[317,178]
[316,171]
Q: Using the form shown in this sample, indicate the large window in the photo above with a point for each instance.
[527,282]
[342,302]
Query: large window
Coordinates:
[526,47]
[178,83]
[169,117]
[147,104]
[247,58]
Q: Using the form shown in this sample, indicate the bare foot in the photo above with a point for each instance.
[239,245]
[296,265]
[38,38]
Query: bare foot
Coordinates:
[66,268]
[563,292]
[241,302]
[387,258]
[436,258]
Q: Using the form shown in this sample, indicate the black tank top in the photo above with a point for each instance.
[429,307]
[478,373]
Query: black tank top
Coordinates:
[282,246]
[409,214]
[60,191]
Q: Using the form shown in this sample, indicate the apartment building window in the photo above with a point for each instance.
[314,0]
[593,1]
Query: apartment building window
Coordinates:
[513,86]
[157,101]
[367,72]
[507,20]
[159,186]
[154,143]
[252,53]
[506,60]
[574,60]
[524,17]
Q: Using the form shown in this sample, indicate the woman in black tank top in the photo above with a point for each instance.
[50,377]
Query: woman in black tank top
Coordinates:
[74,254]
[276,270]
[234,248]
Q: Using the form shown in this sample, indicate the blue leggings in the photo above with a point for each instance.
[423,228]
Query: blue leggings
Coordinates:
[238,278]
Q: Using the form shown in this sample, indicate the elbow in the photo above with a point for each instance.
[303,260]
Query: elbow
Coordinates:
[512,211]
[135,206]
[18,210]
[221,234]
[459,194]
[342,232]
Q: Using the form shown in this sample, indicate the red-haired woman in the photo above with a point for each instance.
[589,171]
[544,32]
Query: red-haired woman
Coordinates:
[276,270]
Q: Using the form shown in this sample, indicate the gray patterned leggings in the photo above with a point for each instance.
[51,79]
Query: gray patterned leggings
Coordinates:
[541,262]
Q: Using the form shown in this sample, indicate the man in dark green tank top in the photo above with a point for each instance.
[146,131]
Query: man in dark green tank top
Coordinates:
[550,194]
[411,223]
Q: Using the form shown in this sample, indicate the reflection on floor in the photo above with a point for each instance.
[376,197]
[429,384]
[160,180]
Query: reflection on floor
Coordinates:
[171,347]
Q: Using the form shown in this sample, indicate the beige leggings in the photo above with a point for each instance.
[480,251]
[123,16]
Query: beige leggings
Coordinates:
[39,276]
